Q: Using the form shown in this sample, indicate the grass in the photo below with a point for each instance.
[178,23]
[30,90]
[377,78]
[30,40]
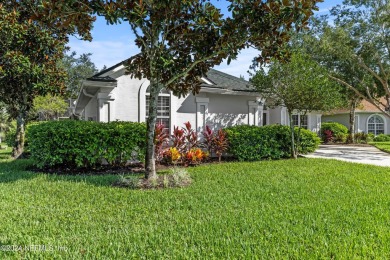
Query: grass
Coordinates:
[384,146]
[288,209]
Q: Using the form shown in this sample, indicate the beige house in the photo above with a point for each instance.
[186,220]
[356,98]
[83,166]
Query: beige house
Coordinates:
[224,100]
[368,119]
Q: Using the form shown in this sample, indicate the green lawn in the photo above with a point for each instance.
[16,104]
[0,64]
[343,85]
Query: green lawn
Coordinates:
[384,146]
[303,209]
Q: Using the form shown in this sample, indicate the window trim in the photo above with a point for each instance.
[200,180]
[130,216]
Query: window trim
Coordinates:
[299,120]
[163,93]
[384,123]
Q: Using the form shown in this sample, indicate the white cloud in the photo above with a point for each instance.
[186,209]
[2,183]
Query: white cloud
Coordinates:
[104,52]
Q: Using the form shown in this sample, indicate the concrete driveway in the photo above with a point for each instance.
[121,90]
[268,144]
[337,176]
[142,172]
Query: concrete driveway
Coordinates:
[356,154]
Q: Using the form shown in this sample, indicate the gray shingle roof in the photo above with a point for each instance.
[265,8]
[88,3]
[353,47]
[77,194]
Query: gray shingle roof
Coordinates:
[218,79]
[104,79]
[225,81]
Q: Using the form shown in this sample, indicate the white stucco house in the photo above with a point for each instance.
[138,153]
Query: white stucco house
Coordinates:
[223,101]
[368,119]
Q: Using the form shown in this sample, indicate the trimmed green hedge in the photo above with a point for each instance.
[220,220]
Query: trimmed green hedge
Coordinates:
[335,127]
[252,143]
[84,144]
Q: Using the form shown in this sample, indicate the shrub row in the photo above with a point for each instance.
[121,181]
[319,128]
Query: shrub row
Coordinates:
[84,144]
[382,138]
[251,143]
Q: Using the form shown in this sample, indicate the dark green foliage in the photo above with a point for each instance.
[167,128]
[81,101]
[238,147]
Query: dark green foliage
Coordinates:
[84,144]
[252,143]
[363,138]
[10,135]
[308,142]
[382,138]
[339,131]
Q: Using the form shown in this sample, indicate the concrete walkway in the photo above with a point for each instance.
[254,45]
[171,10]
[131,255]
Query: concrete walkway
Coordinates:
[356,154]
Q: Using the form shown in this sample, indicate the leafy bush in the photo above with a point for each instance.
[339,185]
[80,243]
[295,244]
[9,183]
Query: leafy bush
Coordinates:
[309,141]
[85,144]
[340,138]
[215,141]
[382,138]
[339,132]
[10,135]
[363,137]
[251,143]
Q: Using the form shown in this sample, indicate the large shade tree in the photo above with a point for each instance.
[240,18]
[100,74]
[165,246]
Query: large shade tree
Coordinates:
[77,68]
[330,47]
[180,41]
[301,85]
[359,43]
[33,34]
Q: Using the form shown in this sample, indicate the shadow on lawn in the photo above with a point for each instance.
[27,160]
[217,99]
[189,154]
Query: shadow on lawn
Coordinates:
[15,170]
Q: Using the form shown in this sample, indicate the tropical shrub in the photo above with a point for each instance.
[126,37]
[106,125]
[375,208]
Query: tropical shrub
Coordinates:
[382,138]
[364,138]
[251,143]
[340,138]
[327,136]
[161,140]
[78,144]
[338,131]
[215,142]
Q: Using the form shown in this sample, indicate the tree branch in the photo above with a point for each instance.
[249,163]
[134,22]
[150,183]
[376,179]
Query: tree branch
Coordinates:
[371,101]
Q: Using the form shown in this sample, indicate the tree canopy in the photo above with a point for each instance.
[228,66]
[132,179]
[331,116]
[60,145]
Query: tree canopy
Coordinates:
[180,41]
[359,46]
[77,69]
[301,85]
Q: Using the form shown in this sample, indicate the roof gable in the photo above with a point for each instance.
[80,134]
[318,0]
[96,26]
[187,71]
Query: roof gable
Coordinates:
[213,79]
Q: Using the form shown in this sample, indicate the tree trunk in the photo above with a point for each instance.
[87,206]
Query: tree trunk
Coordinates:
[150,160]
[352,109]
[298,142]
[20,131]
[293,151]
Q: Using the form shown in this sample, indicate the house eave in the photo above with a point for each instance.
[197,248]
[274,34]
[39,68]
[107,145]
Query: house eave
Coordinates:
[89,89]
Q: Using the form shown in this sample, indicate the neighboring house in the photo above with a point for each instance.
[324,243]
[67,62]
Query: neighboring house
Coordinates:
[223,101]
[368,119]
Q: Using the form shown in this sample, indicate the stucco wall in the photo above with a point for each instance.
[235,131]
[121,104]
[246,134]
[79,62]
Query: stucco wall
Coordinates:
[205,108]
[126,106]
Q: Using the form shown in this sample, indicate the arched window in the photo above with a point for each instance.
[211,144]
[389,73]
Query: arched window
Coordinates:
[376,125]
[163,107]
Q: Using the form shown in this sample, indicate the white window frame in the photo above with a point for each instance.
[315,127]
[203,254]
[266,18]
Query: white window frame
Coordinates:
[375,128]
[163,93]
[299,120]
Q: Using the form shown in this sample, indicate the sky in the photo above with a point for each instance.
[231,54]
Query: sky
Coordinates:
[112,44]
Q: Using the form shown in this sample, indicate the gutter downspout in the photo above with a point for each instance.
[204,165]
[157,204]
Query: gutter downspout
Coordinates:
[87,94]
